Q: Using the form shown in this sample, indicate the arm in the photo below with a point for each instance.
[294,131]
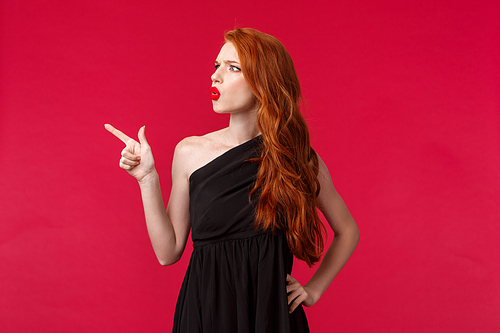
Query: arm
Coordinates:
[167,229]
[343,244]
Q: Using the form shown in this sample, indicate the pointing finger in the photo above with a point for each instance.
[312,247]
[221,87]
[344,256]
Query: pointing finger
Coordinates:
[119,134]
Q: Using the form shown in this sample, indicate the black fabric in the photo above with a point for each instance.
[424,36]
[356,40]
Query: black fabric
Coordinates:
[236,278]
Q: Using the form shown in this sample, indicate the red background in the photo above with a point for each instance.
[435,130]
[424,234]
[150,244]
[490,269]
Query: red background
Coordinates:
[403,106]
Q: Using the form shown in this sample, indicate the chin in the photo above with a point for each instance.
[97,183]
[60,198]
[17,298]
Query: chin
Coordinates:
[219,111]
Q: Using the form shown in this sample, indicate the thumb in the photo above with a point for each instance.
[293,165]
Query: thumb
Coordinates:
[142,136]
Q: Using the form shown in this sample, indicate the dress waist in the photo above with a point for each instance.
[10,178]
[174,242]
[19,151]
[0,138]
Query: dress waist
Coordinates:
[231,237]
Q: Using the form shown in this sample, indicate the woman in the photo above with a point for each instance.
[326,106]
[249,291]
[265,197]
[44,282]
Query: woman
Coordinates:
[249,192]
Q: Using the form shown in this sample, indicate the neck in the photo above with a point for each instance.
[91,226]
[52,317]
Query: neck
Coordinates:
[242,127]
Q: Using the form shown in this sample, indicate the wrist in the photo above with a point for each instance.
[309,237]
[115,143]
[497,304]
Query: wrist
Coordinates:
[149,179]
[314,295]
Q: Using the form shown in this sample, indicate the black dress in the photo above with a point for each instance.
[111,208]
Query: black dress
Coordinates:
[236,278]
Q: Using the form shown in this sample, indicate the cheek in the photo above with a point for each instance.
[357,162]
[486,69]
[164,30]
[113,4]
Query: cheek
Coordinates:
[247,98]
[244,91]
[249,95]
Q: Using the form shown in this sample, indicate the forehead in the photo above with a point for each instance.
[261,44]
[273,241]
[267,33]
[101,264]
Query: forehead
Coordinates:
[228,53]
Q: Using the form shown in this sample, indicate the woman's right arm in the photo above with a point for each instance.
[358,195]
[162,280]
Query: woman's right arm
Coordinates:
[168,229]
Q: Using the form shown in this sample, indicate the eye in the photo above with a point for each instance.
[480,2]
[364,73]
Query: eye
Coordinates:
[234,69]
[217,66]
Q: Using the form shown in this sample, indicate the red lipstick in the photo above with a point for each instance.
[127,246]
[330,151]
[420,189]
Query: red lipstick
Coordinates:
[214,93]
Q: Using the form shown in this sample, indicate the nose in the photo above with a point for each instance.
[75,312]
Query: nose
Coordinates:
[216,77]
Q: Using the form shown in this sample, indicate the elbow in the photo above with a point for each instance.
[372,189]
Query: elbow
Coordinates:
[167,261]
[355,234]
[351,232]
[164,262]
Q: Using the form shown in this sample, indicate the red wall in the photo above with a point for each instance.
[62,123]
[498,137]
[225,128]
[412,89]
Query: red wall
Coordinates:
[403,105]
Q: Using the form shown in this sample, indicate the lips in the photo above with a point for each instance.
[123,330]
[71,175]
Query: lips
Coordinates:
[214,93]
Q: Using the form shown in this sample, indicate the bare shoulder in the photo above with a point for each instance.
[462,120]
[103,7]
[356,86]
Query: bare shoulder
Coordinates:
[193,152]
[189,145]
[192,146]
[322,168]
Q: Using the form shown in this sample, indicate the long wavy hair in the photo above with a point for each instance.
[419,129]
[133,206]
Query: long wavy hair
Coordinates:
[287,180]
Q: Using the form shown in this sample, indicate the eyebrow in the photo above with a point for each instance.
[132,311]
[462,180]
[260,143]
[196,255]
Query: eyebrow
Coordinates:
[228,62]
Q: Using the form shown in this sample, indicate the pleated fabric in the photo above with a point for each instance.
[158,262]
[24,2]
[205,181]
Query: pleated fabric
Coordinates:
[236,278]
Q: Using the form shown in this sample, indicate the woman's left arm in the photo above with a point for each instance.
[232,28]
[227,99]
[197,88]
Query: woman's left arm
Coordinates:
[346,237]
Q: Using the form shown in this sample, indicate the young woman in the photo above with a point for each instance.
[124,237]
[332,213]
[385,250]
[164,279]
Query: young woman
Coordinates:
[249,194]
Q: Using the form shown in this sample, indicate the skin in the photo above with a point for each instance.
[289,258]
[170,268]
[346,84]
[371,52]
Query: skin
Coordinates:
[169,228]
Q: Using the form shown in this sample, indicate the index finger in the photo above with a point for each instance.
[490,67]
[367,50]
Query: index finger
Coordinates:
[119,134]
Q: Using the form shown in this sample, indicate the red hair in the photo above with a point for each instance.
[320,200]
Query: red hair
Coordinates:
[287,180]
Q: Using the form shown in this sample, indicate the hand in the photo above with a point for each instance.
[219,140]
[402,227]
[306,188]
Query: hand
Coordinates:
[137,157]
[297,294]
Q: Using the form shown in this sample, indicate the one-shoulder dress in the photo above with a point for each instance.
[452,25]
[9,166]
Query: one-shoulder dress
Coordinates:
[236,278]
